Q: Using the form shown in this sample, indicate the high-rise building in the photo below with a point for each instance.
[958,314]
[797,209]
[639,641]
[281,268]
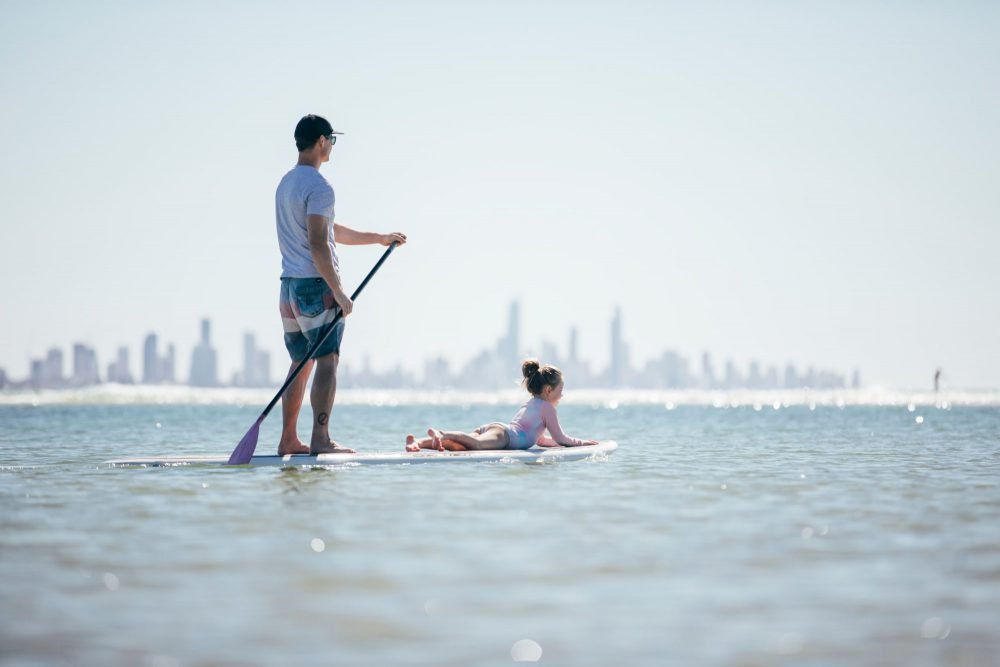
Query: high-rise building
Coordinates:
[248,376]
[670,371]
[550,354]
[511,347]
[771,379]
[204,360]
[85,371]
[150,360]
[792,380]
[52,376]
[733,379]
[262,371]
[617,369]
[118,370]
[437,373]
[707,371]
[168,365]
[37,380]
[256,370]
[157,369]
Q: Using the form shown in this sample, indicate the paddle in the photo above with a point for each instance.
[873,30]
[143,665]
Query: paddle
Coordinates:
[244,451]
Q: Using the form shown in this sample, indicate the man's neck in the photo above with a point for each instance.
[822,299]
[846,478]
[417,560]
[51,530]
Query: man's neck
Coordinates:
[309,159]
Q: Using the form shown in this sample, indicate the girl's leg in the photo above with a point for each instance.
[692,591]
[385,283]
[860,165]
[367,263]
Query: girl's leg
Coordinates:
[414,445]
[494,437]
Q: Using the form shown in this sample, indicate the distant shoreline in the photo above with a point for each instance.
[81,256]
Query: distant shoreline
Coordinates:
[770,399]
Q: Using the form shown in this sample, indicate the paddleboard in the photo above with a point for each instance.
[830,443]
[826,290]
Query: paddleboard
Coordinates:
[534,455]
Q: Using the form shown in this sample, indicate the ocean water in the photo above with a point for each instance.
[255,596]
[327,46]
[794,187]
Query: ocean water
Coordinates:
[722,532]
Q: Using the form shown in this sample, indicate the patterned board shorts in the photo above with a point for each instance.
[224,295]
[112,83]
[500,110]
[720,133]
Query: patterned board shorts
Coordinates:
[307,307]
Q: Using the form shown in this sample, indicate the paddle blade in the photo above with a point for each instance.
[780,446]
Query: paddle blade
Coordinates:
[244,451]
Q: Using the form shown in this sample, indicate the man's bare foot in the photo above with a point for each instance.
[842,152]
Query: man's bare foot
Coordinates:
[411,444]
[292,447]
[436,438]
[329,447]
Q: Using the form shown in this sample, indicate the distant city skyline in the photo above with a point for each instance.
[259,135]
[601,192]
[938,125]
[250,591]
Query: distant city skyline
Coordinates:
[805,182]
[494,367]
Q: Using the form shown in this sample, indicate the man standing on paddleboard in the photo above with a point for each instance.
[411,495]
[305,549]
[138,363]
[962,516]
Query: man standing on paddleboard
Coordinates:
[311,292]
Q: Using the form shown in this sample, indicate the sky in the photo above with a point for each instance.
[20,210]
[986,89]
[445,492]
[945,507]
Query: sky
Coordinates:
[787,182]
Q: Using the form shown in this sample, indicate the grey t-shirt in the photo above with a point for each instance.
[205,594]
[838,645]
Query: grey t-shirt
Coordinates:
[302,192]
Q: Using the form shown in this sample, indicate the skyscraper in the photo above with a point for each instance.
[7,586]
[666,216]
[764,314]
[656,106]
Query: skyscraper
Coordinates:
[256,370]
[37,373]
[150,360]
[707,371]
[792,380]
[512,342]
[84,366]
[156,369]
[248,376]
[616,372]
[733,379]
[167,365]
[118,370]
[52,376]
[204,360]
[437,373]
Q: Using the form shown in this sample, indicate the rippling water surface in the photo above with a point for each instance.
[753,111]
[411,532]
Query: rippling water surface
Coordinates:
[713,536]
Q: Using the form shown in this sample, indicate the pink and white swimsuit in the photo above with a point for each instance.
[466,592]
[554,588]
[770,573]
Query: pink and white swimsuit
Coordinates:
[535,417]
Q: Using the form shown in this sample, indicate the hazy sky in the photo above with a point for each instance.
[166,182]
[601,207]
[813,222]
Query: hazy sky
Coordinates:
[813,183]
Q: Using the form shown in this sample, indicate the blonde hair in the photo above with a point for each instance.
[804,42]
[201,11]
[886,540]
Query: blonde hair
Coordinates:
[537,377]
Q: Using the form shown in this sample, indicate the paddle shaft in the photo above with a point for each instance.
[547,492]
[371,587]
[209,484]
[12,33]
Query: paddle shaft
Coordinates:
[329,330]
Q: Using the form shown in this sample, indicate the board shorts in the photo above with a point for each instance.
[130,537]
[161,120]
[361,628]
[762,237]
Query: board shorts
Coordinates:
[307,307]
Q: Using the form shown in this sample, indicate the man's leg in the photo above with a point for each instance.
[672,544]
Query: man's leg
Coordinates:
[291,403]
[324,391]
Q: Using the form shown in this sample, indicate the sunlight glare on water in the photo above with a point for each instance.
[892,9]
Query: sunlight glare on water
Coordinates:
[526,650]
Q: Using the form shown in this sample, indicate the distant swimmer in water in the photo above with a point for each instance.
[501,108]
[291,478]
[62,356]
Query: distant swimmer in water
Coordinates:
[545,384]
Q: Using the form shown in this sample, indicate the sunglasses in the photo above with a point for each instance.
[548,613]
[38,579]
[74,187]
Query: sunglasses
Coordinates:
[332,138]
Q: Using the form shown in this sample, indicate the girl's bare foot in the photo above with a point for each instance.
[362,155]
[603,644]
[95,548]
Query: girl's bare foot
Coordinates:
[411,444]
[436,438]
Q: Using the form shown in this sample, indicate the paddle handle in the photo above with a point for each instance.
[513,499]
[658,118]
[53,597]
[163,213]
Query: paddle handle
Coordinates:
[329,329]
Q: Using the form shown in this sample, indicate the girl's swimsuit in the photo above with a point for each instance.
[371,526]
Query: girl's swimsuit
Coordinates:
[535,417]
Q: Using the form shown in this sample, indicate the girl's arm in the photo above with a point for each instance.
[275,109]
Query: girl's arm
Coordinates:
[551,421]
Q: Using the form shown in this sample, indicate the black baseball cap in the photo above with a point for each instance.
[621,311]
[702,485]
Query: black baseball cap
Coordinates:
[310,128]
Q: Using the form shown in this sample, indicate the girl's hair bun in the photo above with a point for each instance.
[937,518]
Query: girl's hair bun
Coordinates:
[537,377]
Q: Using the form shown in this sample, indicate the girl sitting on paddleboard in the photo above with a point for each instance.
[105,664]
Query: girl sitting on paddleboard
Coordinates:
[545,383]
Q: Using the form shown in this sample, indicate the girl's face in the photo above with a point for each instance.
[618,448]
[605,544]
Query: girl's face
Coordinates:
[553,394]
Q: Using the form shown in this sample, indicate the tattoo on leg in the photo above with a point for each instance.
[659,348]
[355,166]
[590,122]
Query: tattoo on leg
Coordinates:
[323,418]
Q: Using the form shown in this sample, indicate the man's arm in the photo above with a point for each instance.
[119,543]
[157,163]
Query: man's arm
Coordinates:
[347,236]
[318,228]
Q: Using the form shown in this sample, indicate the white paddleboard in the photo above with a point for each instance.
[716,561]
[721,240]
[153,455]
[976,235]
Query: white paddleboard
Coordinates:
[533,455]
